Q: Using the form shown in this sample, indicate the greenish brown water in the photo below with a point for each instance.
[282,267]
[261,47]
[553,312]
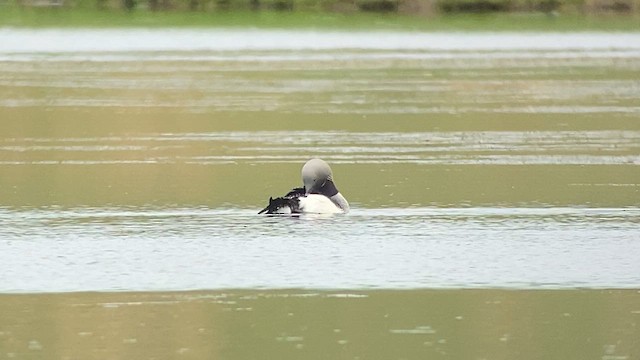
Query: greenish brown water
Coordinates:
[293,324]
[482,170]
[189,117]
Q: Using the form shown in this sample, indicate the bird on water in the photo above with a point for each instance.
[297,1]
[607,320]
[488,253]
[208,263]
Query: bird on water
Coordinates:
[318,195]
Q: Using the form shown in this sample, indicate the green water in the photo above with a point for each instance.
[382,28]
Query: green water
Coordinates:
[96,160]
[447,324]
[414,120]
[493,179]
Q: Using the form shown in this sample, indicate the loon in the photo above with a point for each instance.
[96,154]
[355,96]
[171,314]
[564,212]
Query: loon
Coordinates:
[319,194]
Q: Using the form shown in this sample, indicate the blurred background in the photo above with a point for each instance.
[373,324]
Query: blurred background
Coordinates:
[419,14]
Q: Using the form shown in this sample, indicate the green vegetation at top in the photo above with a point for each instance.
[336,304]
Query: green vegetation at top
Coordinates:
[419,15]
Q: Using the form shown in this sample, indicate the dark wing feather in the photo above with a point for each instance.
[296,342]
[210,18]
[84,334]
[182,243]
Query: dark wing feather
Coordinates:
[289,200]
[296,192]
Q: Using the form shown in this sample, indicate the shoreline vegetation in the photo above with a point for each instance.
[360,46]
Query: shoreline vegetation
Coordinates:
[412,15]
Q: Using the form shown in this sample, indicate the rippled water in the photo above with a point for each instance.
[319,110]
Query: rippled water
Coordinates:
[138,159]
[177,249]
[321,72]
[604,147]
[133,164]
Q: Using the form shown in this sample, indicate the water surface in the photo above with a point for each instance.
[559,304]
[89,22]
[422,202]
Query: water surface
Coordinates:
[494,181]
[137,159]
[294,324]
[85,249]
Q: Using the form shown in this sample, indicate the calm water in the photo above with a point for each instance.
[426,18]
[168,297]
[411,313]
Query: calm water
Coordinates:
[136,160]
[294,324]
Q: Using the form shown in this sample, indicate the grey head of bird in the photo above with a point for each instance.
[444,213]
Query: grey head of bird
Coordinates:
[318,178]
